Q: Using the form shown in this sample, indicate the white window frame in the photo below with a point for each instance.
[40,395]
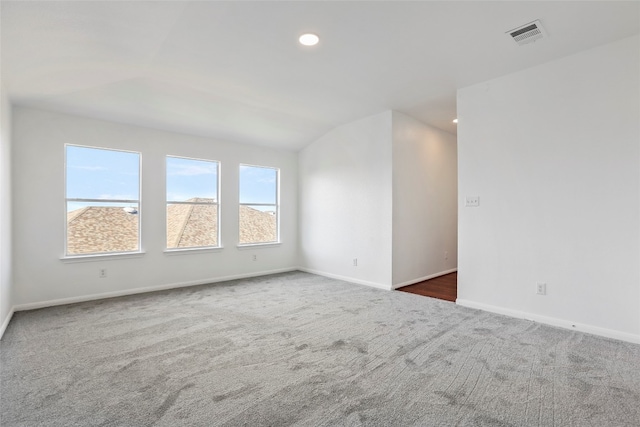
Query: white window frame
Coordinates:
[216,203]
[67,255]
[277,206]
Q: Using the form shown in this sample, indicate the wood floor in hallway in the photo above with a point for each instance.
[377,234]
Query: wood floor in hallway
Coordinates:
[442,287]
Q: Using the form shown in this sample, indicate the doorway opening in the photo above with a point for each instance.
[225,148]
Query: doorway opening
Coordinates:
[442,287]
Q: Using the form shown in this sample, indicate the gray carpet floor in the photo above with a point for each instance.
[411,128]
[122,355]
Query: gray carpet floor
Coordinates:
[304,350]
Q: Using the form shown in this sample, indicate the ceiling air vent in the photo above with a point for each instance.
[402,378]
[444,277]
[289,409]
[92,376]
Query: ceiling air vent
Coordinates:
[527,33]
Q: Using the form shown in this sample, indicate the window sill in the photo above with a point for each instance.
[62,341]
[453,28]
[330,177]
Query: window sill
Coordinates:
[100,257]
[258,245]
[187,251]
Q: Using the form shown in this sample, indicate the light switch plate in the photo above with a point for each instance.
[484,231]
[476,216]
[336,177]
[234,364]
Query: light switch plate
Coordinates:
[472,201]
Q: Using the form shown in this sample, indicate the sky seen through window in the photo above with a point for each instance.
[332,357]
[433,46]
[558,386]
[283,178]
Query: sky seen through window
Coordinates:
[105,174]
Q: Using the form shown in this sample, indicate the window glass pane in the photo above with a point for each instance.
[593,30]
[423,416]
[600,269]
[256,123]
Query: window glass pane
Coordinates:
[191,180]
[192,225]
[192,197]
[102,227]
[94,173]
[258,184]
[258,224]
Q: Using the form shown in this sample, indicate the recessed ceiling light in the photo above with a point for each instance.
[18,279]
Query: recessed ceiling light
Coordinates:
[455,121]
[309,39]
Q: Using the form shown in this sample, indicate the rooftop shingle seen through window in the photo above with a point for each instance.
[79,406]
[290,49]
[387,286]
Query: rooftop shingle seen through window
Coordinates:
[97,229]
[100,229]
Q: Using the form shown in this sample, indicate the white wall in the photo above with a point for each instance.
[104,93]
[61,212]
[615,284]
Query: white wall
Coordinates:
[345,206]
[5,211]
[554,154]
[425,216]
[38,185]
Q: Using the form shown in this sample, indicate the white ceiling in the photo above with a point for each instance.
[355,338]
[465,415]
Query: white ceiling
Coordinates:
[234,70]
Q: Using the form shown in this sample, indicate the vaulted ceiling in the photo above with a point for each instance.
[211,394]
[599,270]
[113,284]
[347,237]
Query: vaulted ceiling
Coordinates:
[235,70]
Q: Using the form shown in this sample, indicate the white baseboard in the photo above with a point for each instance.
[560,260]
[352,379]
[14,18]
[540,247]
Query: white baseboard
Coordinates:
[422,279]
[125,292]
[552,321]
[6,322]
[346,279]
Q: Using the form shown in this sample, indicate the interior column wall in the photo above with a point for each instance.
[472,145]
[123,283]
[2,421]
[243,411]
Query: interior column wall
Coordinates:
[346,202]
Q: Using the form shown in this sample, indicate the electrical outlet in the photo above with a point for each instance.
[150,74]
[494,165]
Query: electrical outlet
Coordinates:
[355,262]
[102,273]
[472,201]
[446,255]
[255,257]
[541,288]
